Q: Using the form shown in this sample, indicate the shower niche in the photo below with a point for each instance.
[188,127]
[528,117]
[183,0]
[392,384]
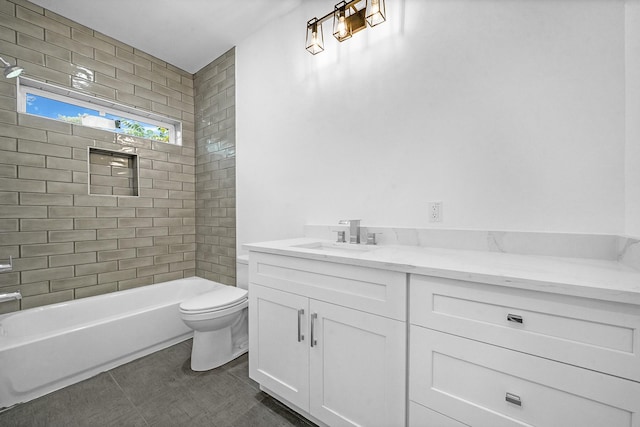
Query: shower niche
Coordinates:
[113,173]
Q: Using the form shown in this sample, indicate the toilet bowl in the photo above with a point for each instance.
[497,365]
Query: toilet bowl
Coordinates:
[219,321]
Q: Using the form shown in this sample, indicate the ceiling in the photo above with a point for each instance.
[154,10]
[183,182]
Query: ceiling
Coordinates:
[188,34]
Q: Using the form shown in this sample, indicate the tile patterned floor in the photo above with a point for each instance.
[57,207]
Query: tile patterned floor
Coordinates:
[159,390]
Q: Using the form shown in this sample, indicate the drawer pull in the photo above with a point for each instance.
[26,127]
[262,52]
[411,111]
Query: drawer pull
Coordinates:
[300,336]
[512,398]
[514,318]
[314,316]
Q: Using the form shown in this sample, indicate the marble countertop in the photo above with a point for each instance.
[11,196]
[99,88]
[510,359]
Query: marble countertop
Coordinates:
[599,279]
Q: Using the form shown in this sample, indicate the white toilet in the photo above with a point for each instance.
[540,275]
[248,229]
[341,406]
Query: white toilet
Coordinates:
[219,321]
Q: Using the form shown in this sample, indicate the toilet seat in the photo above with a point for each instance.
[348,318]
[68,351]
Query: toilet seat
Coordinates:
[223,298]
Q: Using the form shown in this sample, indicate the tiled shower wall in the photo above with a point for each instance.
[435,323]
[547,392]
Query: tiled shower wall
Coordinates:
[215,170]
[65,243]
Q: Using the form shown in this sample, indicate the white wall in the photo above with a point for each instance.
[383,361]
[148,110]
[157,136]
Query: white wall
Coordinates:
[633,118]
[512,112]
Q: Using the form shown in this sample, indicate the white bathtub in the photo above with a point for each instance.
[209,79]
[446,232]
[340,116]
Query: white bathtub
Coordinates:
[46,348]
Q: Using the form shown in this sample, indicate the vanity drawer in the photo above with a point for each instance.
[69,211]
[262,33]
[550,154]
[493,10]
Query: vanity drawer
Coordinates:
[599,335]
[421,416]
[371,290]
[483,385]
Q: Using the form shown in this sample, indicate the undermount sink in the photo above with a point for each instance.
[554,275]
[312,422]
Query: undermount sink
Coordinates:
[335,247]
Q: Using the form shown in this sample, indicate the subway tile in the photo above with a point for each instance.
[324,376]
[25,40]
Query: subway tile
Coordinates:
[75,282]
[161,108]
[90,291]
[70,140]
[89,200]
[47,274]
[99,267]
[9,279]
[72,236]
[93,88]
[133,100]
[188,247]
[152,231]
[23,211]
[8,171]
[19,52]
[154,174]
[26,264]
[96,134]
[181,213]
[8,144]
[146,73]
[72,259]
[21,238]
[7,198]
[97,245]
[44,73]
[66,164]
[28,251]
[72,212]
[46,224]
[137,202]
[46,199]
[167,185]
[134,283]
[9,225]
[66,187]
[22,159]
[116,212]
[187,229]
[125,264]
[135,242]
[167,203]
[45,299]
[43,148]
[38,288]
[163,90]
[115,276]
[114,83]
[166,166]
[134,222]
[116,254]
[8,117]
[27,172]
[88,224]
[151,212]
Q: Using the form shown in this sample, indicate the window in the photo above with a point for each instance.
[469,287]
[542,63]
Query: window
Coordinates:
[57,103]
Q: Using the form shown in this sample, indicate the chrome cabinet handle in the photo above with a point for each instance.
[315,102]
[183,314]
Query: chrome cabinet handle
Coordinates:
[512,398]
[514,318]
[314,316]
[300,314]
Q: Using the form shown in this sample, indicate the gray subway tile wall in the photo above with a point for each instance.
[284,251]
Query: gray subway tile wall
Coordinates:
[68,244]
[215,170]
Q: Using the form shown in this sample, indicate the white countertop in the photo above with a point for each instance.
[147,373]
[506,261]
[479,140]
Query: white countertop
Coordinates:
[599,279]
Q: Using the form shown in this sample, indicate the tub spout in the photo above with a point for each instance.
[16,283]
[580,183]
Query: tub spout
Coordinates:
[10,296]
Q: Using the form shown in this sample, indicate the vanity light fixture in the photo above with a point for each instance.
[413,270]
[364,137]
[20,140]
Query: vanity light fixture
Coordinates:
[349,17]
[11,71]
[315,40]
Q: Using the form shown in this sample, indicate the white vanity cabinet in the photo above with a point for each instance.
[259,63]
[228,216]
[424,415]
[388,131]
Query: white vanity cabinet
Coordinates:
[484,355]
[329,339]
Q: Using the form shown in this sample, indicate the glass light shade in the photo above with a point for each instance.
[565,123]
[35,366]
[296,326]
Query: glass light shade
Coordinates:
[315,38]
[376,13]
[341,26]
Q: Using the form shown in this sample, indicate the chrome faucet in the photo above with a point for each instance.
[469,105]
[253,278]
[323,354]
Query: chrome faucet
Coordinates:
[10,296]
[354,229]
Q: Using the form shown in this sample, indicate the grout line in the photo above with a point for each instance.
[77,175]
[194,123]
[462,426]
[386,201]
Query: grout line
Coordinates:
[127,397]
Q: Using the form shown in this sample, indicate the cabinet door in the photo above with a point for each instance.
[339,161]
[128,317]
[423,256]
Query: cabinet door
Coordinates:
[357,365]
[278,345]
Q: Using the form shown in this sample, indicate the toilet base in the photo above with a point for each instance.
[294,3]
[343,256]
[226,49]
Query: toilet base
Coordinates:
[212,349]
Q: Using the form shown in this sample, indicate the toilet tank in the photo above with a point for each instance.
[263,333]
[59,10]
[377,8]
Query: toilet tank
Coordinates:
[242,271]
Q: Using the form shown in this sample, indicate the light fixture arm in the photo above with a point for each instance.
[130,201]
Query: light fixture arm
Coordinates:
[6,64]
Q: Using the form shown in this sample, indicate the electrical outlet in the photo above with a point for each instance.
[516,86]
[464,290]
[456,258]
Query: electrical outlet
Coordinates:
[435,211]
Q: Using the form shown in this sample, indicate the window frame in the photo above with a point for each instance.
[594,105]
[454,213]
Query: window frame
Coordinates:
[27,85]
